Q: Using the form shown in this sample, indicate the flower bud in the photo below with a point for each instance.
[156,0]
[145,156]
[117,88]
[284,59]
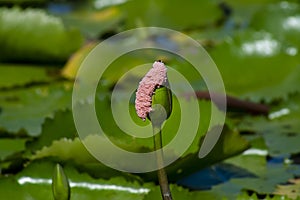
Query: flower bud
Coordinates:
[161,105]
[60,184]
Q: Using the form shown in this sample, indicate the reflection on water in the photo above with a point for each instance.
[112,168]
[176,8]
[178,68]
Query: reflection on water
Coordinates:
[279,113]
[263,47]
[90,186]
[292,22]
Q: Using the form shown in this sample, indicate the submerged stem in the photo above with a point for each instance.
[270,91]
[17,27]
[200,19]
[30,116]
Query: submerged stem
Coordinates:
[162,176]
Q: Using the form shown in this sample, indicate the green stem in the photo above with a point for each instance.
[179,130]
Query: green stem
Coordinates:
[162,176]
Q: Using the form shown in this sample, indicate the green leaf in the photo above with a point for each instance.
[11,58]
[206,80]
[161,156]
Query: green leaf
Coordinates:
[121,136]
[182,193]
[229,144]
[280,130]
[26,108]
[259,185]
[292,189]
[282,20]
[245,196]
[34,182]
[263,185]
[32,35]
[254,59]
[244,10]
[74,151]
[94,23]
[66,149]
[254,159]
[247,2]
[10,146]
[255,164]
[71,67]
[226,190]
[267,183]
[16,75]
[159,13]
[61,125]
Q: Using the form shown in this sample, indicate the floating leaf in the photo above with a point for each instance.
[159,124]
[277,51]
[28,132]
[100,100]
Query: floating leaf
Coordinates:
[282,127]
[169,129]
[73,64]
[33,35]
[26,108]
[10,146]
[282,20]
[292,189]
[16,75]
[61,125]
[213,175]
[34,182]
[242,11]
[267,183]
[229,144]
[254,59]
[246,196]
[158,13]
[66,149]
[254,159]
[181,193]
[263,185]
[94,23]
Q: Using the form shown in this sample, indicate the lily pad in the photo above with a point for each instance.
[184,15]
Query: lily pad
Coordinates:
[292,189]
[254,59]
[16,75]
[254,159]
[73,150]
[10,146]
[262,185]
[267,183]
[25,109]
[66,149]
[61,125]
[71,67]
[282,20]
[94,23]
[32,35]
[280,130]
[246,196]
[159,13]
[34,182]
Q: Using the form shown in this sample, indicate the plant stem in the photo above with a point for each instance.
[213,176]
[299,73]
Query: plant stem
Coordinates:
[161,173]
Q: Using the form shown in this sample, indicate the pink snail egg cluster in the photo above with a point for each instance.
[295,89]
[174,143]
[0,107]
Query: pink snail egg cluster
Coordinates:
[155,77]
